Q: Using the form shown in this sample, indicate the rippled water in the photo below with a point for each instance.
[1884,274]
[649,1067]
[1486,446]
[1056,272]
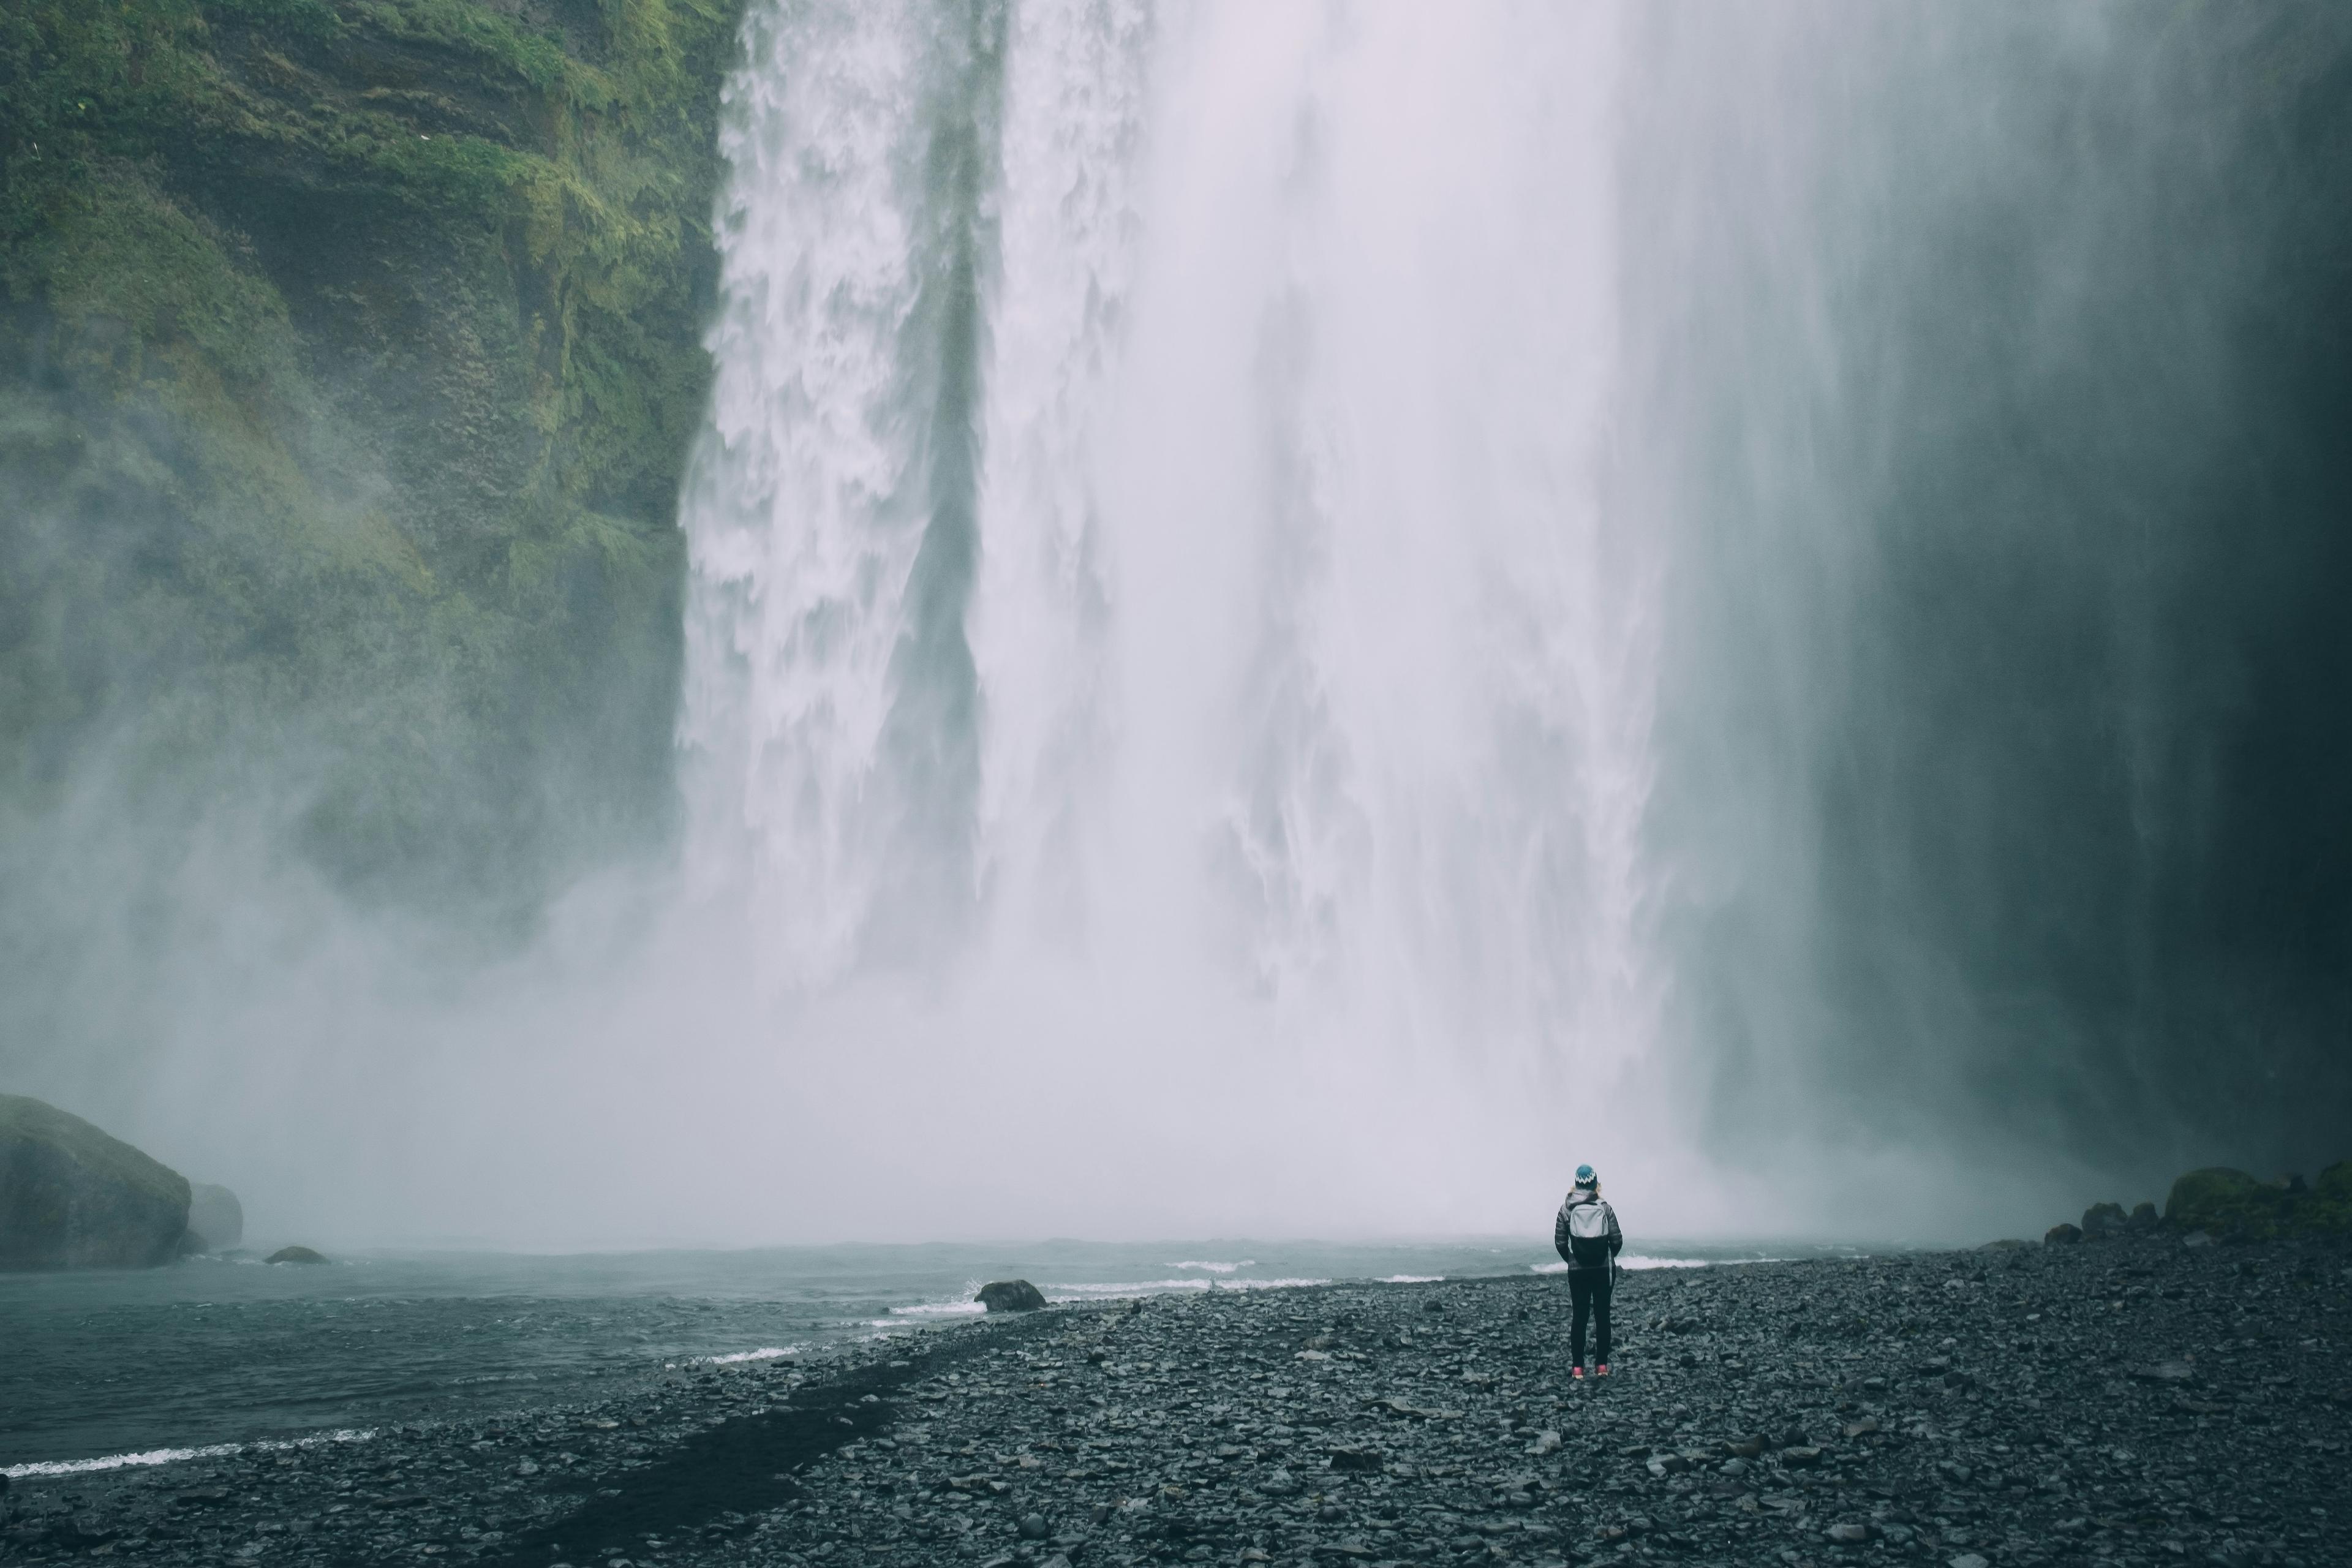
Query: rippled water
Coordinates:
[213,1351]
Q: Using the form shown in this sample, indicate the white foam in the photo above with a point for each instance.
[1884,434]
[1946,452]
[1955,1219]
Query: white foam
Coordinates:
[1267,1284]
[1632,1260]
[174,1456]
[1091,1291]
[1412,1278]
[939,1309]
[1125,1288]
[120,1461]
[765,1352]
[1216,1268]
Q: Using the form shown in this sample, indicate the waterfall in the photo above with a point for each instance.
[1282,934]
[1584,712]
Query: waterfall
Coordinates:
[1157,603]
[1299,616]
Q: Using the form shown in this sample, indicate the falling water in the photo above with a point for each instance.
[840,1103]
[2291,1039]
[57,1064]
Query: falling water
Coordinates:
[1156,594]
[1301,615]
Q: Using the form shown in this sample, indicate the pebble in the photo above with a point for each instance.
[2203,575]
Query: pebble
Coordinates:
[2122,1400]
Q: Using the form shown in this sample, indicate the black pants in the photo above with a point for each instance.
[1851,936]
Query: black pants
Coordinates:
[1588,1296]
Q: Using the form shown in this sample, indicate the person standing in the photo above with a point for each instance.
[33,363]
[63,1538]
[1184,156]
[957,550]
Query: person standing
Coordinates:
[1587,1238]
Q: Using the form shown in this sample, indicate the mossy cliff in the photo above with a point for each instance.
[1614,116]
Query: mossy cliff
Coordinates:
[348,357]
[2233,1203]
[73,1198]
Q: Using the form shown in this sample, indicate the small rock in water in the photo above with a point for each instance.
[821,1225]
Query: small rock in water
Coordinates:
[294,1255]
[1012,1295]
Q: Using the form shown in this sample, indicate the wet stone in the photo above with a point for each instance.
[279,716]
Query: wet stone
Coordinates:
[1439,1427]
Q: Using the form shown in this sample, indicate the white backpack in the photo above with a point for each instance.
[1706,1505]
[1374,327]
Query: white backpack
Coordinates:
[1588,1233]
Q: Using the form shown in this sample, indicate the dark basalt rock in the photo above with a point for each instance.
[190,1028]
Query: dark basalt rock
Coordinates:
[295,1255]
[2061,1234]
[2100,1219]
[73,1198]
[1012,1295]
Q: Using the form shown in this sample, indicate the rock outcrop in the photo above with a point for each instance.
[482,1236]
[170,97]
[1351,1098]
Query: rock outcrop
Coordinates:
[215,1219]
[295,1255]
[1010,1296]
[2104,1219]
[2235,1203]
[73,1198]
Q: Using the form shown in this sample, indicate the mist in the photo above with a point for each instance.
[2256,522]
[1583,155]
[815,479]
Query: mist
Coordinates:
[1297,618]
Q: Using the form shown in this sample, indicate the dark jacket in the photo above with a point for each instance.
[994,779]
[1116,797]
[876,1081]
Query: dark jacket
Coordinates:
[1560,1234]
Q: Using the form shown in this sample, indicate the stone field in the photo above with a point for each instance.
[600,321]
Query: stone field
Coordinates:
[2130,1401]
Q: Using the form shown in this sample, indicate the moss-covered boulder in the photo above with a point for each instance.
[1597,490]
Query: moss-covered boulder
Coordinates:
[73,1198]
[2236,1203]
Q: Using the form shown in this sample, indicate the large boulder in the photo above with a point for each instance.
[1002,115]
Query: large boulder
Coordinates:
[215,1219]
[2102,1220]
[73,1198]
[2222,1200]
[1010,1296]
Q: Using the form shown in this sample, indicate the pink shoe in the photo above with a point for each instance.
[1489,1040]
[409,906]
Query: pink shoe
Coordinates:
[1577,1373]
[1600,1371]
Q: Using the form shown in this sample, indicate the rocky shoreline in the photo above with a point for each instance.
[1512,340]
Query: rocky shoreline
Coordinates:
[2131,1401]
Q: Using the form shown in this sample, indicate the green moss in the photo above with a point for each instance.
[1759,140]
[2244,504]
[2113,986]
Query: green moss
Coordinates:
[2235,1203]
[349,358]
[482,36]
[36,1121]
[117,248]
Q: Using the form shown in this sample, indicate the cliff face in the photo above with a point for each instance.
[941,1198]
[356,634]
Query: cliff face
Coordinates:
[73,1198]
[348,357]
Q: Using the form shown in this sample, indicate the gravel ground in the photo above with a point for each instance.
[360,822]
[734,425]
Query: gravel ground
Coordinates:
[2132,1401]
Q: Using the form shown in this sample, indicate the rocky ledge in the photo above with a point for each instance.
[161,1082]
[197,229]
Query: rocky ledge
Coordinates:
[2140,1402]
